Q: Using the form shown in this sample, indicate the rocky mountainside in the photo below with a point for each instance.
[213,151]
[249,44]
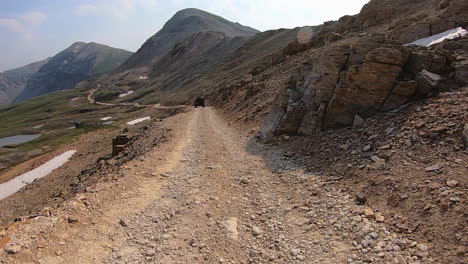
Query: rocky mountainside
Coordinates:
[12,82]
[75,64]
[358,66]
[182,25]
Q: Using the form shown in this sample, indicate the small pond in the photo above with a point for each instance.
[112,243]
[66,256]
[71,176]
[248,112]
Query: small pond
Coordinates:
[14,140]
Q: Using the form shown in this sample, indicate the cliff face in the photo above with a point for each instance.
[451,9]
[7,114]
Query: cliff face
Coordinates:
[360,65]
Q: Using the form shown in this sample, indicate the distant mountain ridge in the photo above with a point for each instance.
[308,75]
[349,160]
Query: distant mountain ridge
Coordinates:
[12,82]
[79,62]
[181,26]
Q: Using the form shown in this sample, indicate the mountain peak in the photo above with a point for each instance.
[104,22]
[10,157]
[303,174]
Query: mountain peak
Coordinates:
[182,25]
[77,63]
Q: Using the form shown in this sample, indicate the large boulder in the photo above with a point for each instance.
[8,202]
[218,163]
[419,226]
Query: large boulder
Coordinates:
[365,87]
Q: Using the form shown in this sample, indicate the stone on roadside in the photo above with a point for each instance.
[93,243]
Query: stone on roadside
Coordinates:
[244,181]
[452,183]
[379,217]
[295,251]
[465,136]
[256,231]
[72,219]
[423,247]
[393,200]
[360,198]
[123,223]
[432,168]
[367,148]
[13,249]
[358,121]
[369,213]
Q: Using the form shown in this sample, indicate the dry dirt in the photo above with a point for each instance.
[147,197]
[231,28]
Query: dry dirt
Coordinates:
[209,195]
[410,163]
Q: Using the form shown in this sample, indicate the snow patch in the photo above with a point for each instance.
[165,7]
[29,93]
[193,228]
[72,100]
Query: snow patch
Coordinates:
[139,120]
[144,77]
[12,186]
[438,38]
[126,94]
[108,122]
[74,99]
[38,126]
[106,118]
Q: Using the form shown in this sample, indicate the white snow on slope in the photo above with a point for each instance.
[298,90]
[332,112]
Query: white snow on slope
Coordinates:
[438,38]
[106,118]
[139,120]
[126,94]
[144,77]
[12,186]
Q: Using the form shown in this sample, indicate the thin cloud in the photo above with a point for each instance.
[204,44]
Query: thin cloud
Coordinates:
[83,10]
[34,18]
[23,24]
[120,9]
[14,25]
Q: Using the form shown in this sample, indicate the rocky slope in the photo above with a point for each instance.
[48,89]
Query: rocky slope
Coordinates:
[194,64]
[75,64]
[12,82]
[182,25]
[355,67]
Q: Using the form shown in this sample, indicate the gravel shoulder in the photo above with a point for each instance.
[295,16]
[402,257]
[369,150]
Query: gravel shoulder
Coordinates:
[208,196]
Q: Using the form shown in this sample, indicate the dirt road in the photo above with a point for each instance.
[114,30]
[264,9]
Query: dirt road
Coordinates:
[208,196]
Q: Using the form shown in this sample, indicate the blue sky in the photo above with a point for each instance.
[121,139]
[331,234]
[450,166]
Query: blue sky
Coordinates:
[32,30]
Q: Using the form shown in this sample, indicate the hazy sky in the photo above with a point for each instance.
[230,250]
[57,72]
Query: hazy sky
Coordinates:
[32,30]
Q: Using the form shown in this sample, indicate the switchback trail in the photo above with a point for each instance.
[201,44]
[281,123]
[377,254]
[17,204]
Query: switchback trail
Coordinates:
[212,200]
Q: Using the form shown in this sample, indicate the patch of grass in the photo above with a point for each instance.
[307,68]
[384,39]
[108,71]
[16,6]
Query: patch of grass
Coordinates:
[57,138]
[16,118]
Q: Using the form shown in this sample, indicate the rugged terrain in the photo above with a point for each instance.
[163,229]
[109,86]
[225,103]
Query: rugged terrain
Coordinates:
[209,196]
[182,25]
[78,63]
[338,143]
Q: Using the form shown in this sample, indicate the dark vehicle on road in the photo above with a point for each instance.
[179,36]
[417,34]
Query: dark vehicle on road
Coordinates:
[200,101]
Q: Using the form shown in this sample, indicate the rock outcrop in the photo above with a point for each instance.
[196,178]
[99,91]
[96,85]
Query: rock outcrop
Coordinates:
[359,74]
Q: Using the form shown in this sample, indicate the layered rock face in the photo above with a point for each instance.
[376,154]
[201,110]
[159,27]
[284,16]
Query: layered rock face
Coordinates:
[357,79]
[355,75]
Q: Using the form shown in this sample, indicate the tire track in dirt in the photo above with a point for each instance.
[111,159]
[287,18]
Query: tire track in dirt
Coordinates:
[214,198]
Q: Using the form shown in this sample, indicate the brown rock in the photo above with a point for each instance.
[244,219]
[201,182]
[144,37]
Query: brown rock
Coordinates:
[405,88]
[379,217]
[452,183]
[360,198]
[386,56]
[369,213]
[13,249]
[394,101]
[393,200]
[72,219]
